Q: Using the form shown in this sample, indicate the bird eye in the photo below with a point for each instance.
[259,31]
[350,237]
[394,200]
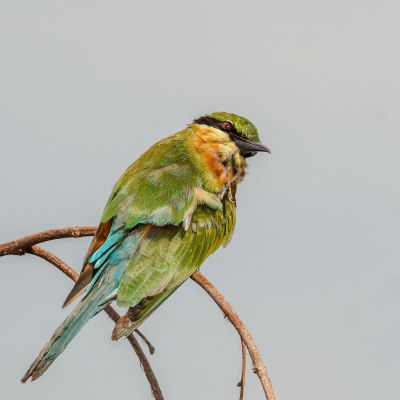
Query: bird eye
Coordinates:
[227,126]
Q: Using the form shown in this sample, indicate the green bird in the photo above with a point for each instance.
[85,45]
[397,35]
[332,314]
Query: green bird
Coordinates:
[171,209]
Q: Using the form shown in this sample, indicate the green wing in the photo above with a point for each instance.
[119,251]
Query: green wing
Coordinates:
[160,212]
[162,187]
[167,257]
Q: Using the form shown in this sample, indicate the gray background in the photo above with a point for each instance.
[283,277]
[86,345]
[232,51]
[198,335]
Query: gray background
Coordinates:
[313,269]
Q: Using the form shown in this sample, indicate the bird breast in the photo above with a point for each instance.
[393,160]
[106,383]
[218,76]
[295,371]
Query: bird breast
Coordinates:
[219,157]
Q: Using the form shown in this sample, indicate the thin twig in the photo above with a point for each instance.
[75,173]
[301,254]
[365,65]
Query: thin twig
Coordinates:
[53,259]
[25,244]
[242,382]
[258,364]
[155,388]
[152,349]
[71,273]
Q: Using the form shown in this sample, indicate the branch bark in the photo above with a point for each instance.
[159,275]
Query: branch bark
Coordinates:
[242,382]
[258,364]
[155,388]
[19,246]
[28,244]
[25,246]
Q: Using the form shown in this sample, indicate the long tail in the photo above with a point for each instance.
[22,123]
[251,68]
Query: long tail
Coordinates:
[63,335]
[102,293]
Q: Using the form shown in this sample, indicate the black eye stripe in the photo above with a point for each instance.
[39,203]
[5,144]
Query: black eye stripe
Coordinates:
[215,123]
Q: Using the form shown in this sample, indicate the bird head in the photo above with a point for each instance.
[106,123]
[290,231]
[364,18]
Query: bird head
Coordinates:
[239,129]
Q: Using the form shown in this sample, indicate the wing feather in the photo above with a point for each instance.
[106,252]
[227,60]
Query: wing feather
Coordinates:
[179,225]
[169,255]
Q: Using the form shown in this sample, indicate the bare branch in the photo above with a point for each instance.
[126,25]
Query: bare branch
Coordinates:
[242,382]
[155,388]
[258,364]
[19,246]
[27,245]
[152,349]
[53,259]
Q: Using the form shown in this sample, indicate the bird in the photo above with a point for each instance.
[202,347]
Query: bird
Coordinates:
[170,210]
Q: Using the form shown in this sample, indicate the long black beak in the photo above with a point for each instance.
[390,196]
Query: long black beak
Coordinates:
[247,147]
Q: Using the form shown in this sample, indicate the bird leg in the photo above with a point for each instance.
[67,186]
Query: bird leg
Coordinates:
[228,188]
[230,195]
[222,193]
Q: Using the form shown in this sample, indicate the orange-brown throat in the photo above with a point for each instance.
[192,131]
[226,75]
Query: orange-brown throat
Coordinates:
[219,156]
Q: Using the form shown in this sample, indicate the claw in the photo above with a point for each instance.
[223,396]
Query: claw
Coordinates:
[223,192]
[230,195]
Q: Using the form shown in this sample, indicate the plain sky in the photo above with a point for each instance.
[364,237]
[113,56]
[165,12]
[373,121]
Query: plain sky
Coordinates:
[313,269]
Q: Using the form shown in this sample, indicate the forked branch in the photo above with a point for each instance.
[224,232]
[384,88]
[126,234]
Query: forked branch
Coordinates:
[29,244]
[70,272]
[258,364]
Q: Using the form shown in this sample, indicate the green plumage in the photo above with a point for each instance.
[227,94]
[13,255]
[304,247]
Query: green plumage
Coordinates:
[169,211]
[168,256]
[160,189]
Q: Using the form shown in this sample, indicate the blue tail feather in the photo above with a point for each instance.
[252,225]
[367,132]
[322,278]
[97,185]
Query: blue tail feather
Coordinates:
[79,316]
[102,292]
